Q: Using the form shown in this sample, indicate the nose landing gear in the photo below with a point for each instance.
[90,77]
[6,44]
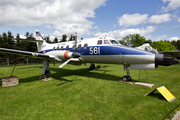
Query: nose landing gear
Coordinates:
[127,77]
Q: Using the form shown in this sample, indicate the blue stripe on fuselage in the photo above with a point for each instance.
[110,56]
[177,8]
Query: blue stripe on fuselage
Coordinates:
[106,50]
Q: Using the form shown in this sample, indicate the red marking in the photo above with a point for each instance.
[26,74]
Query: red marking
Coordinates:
[75,32]
[66,54]
[75,35]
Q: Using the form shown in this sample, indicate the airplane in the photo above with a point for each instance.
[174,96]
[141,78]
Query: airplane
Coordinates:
[147,47]
[104,50]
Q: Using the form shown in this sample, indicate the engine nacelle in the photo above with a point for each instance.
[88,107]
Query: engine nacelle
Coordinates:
[143,66]
[65,54]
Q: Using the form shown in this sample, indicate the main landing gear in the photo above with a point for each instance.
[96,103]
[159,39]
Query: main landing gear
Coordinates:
[127,77]
[92,67]
[45,70]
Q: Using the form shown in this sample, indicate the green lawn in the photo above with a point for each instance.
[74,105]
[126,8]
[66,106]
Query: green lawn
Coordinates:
[76,93]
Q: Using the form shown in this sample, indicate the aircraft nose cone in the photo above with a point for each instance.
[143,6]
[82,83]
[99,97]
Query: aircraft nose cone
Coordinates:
[76,55]
[164,59]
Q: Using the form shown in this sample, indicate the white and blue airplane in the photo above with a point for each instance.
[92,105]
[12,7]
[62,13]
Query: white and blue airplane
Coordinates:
[104,50]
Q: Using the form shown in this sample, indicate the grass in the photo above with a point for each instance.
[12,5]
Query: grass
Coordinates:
[75,93]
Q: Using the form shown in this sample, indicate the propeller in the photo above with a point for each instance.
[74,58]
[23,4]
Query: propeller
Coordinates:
[64,63]
[74,54]
[75,43]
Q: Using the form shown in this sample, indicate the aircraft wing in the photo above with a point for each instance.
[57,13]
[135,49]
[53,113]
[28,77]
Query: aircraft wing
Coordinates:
[173,53]
[25,53]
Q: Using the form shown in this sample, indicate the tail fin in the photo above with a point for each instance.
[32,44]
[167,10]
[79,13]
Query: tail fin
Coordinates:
[37,35]
[39,38]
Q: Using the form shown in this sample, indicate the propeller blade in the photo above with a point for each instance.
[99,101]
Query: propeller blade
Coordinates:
[75,43]
[64,63]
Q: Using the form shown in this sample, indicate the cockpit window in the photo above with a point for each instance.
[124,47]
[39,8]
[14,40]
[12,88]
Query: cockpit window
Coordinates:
[150,49]
[99,42]
[106,42]
[114,42]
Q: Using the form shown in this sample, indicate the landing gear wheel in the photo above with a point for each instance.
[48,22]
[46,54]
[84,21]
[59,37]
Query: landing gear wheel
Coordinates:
[126,78]
[47,73]
[92,67]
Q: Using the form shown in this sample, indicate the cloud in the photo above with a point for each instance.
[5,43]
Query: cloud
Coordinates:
[173,4]
[118,34]
[66,16]
[174,38]
[178,19]
[160,18]
[161,37]
[136,19]
[132,20]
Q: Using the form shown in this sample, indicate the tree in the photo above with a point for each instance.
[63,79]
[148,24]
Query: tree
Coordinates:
[47,39]
[72,38]
[17,45]
[28,46]
[135,39]
[64,37]
[55,40]
[176,44]
[162,45]
[10,40]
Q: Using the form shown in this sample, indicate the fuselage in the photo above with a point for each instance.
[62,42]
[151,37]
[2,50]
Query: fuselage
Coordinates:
[102,50]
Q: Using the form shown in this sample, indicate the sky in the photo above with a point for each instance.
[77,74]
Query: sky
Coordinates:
[153,19]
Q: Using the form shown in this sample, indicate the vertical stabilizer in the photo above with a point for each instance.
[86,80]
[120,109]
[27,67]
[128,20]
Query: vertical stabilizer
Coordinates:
[39,39]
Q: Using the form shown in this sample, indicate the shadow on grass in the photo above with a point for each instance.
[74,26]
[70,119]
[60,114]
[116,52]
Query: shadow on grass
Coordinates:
[82,72]
[157,95]
[59,74]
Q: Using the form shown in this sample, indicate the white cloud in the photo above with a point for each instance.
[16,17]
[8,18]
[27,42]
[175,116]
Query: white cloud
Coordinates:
[160,18]
[178,19]
[132,20]
[67,16]
[136,19]
[118,34]
[174,38]
[161,37]
[173,4]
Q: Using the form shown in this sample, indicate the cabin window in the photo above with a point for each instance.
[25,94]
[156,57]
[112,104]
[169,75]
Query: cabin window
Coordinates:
[114,42]
[61,47]
[99,42]
[58,48]
[67,47]
[106,42]
[79,46]
[85,46]
[53,48]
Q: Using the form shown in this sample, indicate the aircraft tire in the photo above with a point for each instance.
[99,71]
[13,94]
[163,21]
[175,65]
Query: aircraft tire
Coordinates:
[126,78]
[47,73]
[92,67]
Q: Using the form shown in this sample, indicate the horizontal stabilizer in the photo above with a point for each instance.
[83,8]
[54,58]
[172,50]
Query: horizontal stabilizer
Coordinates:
[30,40]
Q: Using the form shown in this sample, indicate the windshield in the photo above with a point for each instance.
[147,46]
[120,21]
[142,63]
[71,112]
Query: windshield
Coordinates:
[114,42]
[150,49]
